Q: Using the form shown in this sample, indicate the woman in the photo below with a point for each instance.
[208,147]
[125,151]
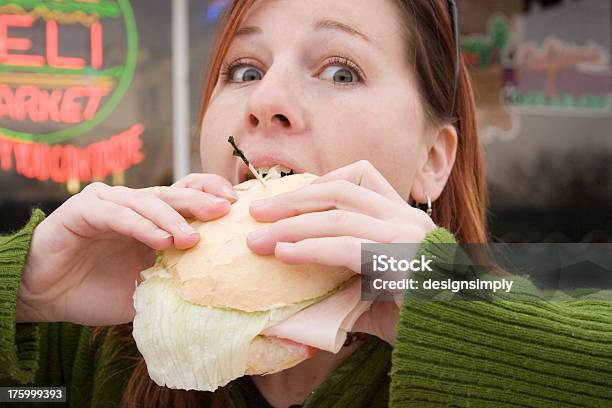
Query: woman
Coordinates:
[316,86]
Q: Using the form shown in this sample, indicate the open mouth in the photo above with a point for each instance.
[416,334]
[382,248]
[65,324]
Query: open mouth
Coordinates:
[271,172]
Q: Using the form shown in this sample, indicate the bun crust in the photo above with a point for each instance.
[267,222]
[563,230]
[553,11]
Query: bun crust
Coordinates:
[221,271]
[267,357]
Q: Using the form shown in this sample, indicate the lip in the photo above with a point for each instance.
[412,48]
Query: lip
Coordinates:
[259,159]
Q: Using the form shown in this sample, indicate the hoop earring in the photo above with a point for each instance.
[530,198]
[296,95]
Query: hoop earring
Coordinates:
[429,210]
[429,207]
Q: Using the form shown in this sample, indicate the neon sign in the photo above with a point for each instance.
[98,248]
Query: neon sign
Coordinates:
[63,163]
[58,80]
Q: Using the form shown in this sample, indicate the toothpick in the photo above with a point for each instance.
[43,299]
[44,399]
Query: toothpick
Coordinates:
[257,175]
[237,152]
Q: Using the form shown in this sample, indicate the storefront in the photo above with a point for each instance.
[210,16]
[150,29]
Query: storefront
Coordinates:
[108,90]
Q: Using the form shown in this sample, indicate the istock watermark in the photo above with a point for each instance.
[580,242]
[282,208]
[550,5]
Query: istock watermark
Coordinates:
[454,286]
[486,272]
[384,263]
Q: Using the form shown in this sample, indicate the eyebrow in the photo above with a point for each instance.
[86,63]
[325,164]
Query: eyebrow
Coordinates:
[325,24]
[337,25]
[248,30]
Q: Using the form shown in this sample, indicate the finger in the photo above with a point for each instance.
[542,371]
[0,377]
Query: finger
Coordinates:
[364,174]
[155,210]
[210,183]
[338,194]
[192,203]
[103,216]
[333,223]
[333,251]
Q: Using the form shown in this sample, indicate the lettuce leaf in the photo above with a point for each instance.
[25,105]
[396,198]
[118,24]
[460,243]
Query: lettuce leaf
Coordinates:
[189,346]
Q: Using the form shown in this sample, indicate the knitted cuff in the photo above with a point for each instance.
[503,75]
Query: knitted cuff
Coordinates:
[18,342]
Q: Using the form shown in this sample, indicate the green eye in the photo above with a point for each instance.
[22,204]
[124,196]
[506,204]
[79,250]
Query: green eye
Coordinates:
[246,73]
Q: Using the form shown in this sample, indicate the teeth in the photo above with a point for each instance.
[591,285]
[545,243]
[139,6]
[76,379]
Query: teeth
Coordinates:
[266,169]
[270,172]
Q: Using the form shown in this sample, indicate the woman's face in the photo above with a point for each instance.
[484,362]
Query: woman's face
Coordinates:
[315,85]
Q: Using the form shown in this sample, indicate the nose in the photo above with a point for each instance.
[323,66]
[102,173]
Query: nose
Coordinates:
[274,104]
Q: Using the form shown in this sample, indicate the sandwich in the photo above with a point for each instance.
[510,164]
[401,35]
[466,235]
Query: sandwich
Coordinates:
[217,311]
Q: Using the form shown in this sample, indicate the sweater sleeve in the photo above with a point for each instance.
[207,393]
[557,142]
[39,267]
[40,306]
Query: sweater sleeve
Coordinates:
[525,352]
[18,342]
[54,354]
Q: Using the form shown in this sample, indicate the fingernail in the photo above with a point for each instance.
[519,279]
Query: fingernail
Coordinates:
[284,246]
[260,203]
[187,229]
[217,201]
[229,192]
[162,234]
[257,234]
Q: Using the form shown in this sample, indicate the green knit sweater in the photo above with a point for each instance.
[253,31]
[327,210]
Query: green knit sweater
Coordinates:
[462,353]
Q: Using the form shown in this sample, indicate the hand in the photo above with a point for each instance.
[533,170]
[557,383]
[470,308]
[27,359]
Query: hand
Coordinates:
[327,221]
[85,257]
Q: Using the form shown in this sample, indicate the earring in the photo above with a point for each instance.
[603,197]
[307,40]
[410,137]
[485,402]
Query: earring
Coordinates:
[429,210]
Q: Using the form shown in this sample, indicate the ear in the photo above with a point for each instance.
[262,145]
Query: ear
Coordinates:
[433,172]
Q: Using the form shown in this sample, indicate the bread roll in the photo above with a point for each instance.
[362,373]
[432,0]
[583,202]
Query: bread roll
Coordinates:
[221,271]
[200,311]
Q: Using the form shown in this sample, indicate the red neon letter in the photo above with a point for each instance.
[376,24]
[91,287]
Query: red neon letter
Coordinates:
[17,44]
[136,156]
[95,94]
[53,58]
[23,159]
[58,164]
[7,102]
[27,99]
[41,158]
[71,110]
[97,164]
[50,105]
[6,146]
[95,32]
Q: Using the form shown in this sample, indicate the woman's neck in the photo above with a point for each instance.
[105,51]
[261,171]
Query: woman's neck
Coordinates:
[294,385]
